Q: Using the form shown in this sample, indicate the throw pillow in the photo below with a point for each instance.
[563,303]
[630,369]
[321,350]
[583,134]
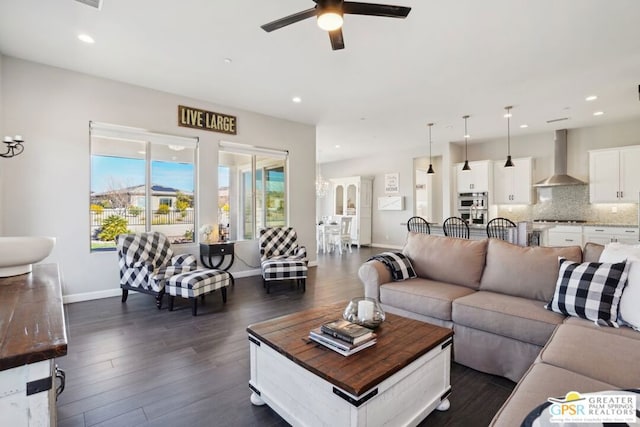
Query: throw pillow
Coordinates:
[590,290]
[630,300]
[398,263]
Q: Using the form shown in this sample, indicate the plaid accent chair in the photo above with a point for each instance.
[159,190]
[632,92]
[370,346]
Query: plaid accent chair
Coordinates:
[281,258]
[146,261]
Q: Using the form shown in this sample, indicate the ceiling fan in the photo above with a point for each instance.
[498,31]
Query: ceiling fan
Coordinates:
[330,12]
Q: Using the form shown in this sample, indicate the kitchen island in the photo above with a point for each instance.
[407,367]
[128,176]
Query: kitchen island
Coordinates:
[32,335]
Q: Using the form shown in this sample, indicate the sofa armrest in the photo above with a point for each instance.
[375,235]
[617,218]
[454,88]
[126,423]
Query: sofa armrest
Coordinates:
[372,274]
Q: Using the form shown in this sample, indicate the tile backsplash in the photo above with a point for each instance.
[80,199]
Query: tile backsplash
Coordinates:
[571,202]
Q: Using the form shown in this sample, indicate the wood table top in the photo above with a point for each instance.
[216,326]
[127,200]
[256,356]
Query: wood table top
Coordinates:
[400,341]
[32,327]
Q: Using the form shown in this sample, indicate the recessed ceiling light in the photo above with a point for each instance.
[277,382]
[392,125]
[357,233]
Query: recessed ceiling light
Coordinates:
[86,38]
[228,60]
[296,99]
[524,125]
[591,98]
[598,113]
[337,145]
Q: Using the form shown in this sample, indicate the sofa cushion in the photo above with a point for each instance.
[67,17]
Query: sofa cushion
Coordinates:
[591,252]
[590,290]
[423,296]
[594,353]
[630,300]
[622,331]
[539,383]
[514,317]
[445,259]
[527,272]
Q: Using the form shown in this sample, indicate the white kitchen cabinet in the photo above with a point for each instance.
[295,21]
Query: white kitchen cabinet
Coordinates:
[604,235]
[565,235]
[477,179]
[352,197]
[614,175]
[512,186]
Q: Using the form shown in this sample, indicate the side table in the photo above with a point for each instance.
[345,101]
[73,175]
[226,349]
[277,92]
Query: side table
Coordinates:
[222,250]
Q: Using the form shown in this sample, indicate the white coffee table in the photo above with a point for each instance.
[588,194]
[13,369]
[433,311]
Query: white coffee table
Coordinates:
[399,380]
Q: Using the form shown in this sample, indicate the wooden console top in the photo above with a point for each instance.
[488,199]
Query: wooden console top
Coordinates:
[400,342]
[32,327]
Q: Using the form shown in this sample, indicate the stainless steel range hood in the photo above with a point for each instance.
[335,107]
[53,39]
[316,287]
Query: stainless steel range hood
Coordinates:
[560,176]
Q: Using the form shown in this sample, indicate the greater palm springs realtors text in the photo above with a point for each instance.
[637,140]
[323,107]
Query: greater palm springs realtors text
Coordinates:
[207,120]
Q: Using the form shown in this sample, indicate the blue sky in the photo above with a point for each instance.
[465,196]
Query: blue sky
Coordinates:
[117,172]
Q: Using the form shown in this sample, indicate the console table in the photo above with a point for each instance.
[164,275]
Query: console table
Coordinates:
[32,335]
[224,251]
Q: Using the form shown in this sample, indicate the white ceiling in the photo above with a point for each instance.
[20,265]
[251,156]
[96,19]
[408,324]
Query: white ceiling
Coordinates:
[447,59]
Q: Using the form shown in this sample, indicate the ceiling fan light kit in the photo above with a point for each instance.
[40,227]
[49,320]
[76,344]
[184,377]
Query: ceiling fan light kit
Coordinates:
[330,21]
[329,14]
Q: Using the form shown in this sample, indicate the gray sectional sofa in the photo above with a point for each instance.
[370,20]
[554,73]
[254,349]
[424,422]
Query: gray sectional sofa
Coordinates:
[492,294]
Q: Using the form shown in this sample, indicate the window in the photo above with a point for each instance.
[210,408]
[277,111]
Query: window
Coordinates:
[140,181]
[252,190]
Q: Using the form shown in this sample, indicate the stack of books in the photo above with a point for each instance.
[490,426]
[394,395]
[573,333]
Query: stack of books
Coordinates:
[343,337]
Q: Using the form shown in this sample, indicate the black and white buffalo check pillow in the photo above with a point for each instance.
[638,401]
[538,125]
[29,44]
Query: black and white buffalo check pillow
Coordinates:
[397,263]
[590,290]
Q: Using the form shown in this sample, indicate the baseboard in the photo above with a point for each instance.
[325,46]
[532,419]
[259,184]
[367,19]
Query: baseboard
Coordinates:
[88,296]
[387,246]
[109,293]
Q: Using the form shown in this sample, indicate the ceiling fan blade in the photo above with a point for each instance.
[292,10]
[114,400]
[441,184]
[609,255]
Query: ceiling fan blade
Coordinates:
[288,20]
[373,9]
[337,42]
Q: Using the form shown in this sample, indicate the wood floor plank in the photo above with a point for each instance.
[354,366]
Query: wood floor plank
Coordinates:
[132,364]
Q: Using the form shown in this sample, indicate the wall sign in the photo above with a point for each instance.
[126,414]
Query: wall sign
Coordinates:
[391,184]
[207,120]
[391,203]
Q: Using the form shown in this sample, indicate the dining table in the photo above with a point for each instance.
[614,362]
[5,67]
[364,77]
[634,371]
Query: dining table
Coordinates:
[324,233]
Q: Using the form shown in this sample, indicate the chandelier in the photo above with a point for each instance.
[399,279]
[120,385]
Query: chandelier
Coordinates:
[322,185]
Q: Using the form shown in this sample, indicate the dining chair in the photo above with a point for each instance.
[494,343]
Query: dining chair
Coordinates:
[499,228]
[418,225]
[456,227]
[345,233]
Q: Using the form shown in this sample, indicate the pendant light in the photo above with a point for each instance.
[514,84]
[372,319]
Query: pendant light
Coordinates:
[430,171]
[508,163]
[466,166]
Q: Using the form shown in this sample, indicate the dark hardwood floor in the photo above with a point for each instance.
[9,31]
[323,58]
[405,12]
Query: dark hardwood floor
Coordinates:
[133,365]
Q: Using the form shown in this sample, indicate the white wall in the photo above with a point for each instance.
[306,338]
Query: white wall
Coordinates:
[387,226]
[49,191]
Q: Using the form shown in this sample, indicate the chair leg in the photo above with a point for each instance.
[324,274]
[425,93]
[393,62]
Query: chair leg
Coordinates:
[202,297]
[171,301]
[194,306]
[159,299]
[224,295]
[304,285]
[268,286]
[125,294]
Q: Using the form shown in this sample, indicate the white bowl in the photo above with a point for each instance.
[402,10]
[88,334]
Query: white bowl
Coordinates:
[18,253]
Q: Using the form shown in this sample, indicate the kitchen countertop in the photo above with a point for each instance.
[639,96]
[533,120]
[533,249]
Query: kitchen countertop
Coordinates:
[32,326]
